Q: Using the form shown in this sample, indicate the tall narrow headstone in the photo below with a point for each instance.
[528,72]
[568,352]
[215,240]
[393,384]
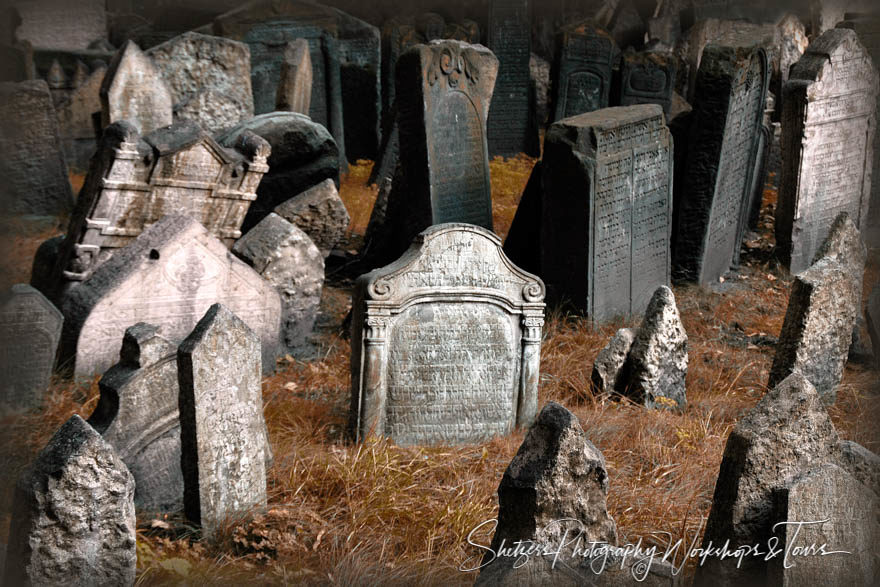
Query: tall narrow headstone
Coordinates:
[585,56]
[607,209]
[295,84]
[134,91]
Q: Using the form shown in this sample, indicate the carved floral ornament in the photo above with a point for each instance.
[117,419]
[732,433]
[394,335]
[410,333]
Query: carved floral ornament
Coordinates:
[452,62]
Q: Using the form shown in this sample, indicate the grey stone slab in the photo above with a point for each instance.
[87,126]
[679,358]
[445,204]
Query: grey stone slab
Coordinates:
[320,213]
[295,84]
[647,78]
[60,24]
[612,170]
[30,329]
[826,14]
[134,91]
[223,433]
[446,342]
[76,120]
[609,362]
[585,56]
[861,464]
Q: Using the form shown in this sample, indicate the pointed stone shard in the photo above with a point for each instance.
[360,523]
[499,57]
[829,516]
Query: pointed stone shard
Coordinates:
[73,520]
[610,360]
[134,91]
[223,433]
[320,213]
[295,86]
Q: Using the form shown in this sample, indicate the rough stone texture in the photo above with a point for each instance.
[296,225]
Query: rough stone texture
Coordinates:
[303,155]
[787,433]
[168,276]
[656,367]
[872,318]
[818,326]
[612,171]
[138,415]
[581,72]
[76,120]
[209,79]
[73,519]
[32,164]
[30,328]
[285,257]
[133,90]
[647,78]
[861,464]
[223,433]
[610,360]
[828,126]
[320,213]
[446,342]
[844,243]
[843,513]
[295,85]
[61,24]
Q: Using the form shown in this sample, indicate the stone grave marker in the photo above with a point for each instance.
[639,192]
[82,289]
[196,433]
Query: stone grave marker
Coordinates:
[828,127]
[446,342]
[523,242]
[134,91]
[861,464]
[33,167]
[223,433]
[605,377]
[647,78]
[826,14]
[138,415]
[30,328]
[168,276]
[713,203]
[320,213]
[295,84]
[612,169]
[76,120]
[585,56]
[61,24]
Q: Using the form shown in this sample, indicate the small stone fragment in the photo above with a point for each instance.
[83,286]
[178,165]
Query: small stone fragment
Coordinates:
[610,361]
[320,213]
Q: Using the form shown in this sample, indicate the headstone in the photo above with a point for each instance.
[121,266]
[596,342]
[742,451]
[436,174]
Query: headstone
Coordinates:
[523,242]
[45,260]
[167,276]
[612,170]
[540,77]
[828,126]
[222,430]
[73,519]
[135,180]
[787,433]
[320,213]
[138,415]
[730,93]
[826,14]
[398,35]
[303,155]
[60,24]
[872,318]
[861,464]
[76,120]
[30,328]
[209,79]
[647,78]
[295,84]
[33,168]
[610,360]
[844,243]
[511,123]
[286,257]
[446,342]
[585,56]
[134,91]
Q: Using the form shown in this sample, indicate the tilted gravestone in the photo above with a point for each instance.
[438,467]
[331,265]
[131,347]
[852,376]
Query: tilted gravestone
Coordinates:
[209,79]
[295,84]
[713,202]
[59,24]
[648,78]
[585,56]
[511,123]
[446,342]
[612,171]
[33,167]
[138,415]
[222,430]
[167,276]
[73,520]
[828,128]
[134,91]
[320,213]
[30,328]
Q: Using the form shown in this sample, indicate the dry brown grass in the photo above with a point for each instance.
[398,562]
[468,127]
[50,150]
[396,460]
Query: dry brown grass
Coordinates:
[341,513]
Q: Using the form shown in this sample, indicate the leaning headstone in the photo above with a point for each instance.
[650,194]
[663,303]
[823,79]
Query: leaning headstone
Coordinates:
[134,91]
[30,328]
[222,430]
[612,170]
[209,79]
[61,24]
[167,276]
[608,365]
[320,213]
[76,120]
[585,56]
[137,414]
[828,126]
[844,243]
[872,318]
[786,434]
[73,519]
[446,342]
[648,78]
[730,92]
[33,167]
[295,85]
[287,258]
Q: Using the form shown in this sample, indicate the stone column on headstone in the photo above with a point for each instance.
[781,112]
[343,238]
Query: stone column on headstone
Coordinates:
[134,91]
[295,86]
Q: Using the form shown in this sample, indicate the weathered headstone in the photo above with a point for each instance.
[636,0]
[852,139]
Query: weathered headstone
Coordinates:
[730,93]
[861,464]
[32,165]
[872,318]
[446,342]
[30,328]
[647,78]
[209,79]
[286,257]
[134,91]
[511,123]
[826,14]
[585,56]
[222,430]
[844,243]
[610,360]
[61,24]
[167,276]
[612,170]
[138,415]
[76,120]
[320,213]
[828,126]
[73,518]
[295,84]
